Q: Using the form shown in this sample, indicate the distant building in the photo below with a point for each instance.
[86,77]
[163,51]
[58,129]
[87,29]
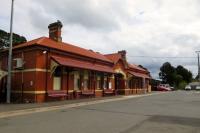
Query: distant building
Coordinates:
[48,69]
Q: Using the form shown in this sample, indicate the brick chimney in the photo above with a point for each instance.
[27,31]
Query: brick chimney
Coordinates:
[55,31]
[123,54]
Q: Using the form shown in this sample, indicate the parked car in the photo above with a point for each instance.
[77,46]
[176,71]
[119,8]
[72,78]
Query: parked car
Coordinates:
[197,88]
[188,87]
[168,86]
[164,87]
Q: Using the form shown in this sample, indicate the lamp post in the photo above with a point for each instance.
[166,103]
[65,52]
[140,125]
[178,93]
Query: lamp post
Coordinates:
[198,65]
[10,57]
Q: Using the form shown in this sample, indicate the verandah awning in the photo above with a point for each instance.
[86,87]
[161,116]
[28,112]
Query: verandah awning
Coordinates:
[81,64]
[136,74]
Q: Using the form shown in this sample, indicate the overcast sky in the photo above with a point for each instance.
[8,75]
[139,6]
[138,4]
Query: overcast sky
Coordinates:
[156,28]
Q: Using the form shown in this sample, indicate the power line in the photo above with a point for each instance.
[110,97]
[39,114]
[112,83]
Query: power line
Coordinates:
[160,57]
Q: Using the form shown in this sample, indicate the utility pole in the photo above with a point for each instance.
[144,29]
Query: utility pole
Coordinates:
[198,65]
[10,57]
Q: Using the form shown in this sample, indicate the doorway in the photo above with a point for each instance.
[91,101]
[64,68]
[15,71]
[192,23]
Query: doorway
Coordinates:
[119,81]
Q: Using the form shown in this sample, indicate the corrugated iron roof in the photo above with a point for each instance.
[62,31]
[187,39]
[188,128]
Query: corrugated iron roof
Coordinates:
[136,74]
[133,66]
[45,41]
[81,64]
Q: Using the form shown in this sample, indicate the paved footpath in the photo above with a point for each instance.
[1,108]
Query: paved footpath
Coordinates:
[171,112]
[9,110]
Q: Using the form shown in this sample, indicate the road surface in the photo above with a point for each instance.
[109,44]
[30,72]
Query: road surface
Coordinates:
[173,112]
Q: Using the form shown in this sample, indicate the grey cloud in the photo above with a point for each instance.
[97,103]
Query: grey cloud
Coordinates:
[187,39]
[38,20]
[84,13]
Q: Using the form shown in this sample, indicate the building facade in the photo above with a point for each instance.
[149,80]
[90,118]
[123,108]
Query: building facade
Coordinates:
[47,69]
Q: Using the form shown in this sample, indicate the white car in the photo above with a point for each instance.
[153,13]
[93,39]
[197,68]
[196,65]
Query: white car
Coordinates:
[188,87]
[197,88]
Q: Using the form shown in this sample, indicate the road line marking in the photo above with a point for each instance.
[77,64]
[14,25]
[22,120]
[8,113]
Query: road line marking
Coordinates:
[68,106]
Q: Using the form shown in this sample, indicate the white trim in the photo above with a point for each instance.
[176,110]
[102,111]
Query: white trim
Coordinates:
[31,70]
[119,70]
[29,92]
[98,90]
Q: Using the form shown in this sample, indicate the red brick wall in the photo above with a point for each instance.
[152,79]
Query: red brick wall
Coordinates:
[40,81]
[41,59]
[22,79]
[98,93]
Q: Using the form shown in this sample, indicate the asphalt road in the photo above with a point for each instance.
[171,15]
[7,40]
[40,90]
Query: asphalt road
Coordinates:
[174,112]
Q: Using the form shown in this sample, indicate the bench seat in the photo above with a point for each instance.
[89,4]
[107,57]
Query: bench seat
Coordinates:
[108,91]
[87,92]
[56,93]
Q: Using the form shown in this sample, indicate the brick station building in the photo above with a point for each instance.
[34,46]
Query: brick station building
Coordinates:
[48,69]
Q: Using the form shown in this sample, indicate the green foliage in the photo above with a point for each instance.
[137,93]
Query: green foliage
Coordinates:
[5,37]
[186,75]
[178,76]
[178,79]
[197,77]
[182,85]
[167,73]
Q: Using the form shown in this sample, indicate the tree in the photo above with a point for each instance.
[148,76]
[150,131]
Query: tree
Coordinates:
[167,73]
[187,75]
[197,77]
[178,80]
[178,76]
[4,39]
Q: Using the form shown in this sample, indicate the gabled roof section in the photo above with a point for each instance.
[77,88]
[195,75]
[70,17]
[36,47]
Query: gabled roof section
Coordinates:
[66,47]
[114,57]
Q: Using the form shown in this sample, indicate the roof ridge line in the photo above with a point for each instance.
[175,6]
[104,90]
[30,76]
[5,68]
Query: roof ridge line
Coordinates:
[110,54]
